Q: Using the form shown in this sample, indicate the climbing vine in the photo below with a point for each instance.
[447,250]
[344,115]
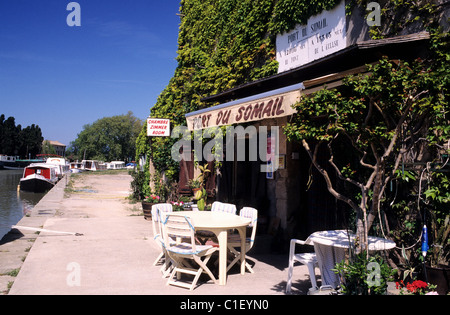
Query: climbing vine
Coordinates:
[288,13]
[222,44]
[225,43]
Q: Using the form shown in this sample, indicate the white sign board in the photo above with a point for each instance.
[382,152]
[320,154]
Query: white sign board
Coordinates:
[158,127]
[323,35]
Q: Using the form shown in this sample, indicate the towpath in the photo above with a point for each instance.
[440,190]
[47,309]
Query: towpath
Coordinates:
[114,250]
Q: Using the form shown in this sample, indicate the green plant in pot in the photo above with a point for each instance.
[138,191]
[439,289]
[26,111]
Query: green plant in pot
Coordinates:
[200,194]
[364,275]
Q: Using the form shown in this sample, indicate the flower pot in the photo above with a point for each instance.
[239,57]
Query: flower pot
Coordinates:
[438,276]
[147,208]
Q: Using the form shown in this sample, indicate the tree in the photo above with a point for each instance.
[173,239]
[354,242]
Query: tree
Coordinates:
[10,137]
[31,141]
[108,139]
[17,141]
[371,126]
[47,148]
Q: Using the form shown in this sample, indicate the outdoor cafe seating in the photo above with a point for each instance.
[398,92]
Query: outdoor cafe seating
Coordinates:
[157,236]
[184,254]
[217,206]
[182,227]
[234,241]
[329,249]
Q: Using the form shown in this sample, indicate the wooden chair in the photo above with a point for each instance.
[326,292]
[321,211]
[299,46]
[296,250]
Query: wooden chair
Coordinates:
[234,240]
[182,228]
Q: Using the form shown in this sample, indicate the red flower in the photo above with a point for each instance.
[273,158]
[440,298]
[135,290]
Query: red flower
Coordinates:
[417,284]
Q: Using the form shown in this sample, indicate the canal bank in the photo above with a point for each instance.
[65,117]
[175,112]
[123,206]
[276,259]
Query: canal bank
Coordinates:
[15,246]
[114,251]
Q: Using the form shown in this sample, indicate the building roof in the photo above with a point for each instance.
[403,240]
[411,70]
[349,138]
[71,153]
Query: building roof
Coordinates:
[56,143]
[359,54]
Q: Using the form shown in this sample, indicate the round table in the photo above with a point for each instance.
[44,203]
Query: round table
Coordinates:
[330,247]
[219,223]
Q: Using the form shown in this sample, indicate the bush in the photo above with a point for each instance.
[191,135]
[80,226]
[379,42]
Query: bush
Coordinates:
[138,185]
[364,275]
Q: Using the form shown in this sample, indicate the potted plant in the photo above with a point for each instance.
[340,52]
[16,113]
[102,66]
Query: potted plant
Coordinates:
[437,267]
[358,276]
[195,185]
[417,287]
[198,189]
[201,197]
[147,204]
[177,205]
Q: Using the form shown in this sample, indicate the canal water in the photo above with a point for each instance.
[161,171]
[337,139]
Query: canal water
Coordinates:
[14,204]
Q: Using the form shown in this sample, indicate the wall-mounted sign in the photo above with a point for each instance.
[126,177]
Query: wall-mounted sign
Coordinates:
[266,107]
[323,35]
[158,127]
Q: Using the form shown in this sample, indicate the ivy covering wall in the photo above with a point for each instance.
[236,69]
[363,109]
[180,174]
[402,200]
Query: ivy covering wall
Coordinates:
[221,44]
[225,43]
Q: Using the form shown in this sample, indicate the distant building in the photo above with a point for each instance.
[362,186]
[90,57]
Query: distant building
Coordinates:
[59,147]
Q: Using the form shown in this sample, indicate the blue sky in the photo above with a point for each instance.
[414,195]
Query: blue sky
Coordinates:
[62,78]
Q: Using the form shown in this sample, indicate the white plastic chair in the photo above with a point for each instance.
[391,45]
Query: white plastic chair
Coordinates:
[181,227]
[218,206]
[157,236]
[308,259]
[234,240]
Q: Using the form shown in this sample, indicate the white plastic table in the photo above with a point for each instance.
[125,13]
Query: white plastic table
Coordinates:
[219,223]
[330,247]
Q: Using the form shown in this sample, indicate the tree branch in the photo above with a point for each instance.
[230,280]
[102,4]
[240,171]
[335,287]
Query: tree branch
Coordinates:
[325,175]
[331,161]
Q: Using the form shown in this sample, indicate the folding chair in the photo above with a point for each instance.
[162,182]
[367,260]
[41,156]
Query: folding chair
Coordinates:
[158,237]
[181,227]
[308,259]
[234,240]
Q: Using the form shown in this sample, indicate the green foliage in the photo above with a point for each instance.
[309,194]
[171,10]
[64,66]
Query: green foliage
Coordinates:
[222,44]
[437,206]
[108,139]
[369,107]
[289,13]
[395,114]
[399,15]
[364,275]
[138,186]
[17,141]
[47,148]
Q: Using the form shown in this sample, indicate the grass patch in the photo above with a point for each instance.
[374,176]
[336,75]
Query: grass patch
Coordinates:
[12,273]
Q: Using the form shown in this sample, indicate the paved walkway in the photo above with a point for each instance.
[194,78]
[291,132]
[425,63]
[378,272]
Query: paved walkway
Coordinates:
[115,253]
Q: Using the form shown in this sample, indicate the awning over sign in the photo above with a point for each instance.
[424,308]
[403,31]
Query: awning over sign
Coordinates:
[276,103]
